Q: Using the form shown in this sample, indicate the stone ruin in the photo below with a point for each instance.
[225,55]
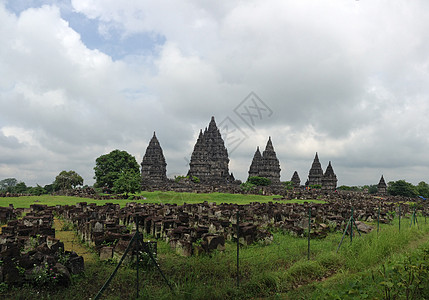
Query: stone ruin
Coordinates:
[209,163]
[30,253]
[209,160]
[296,181]
[266,165]
[154,167]
[382,187]
[328,180]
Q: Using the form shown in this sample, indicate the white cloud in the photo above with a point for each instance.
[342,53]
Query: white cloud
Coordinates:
[348,79]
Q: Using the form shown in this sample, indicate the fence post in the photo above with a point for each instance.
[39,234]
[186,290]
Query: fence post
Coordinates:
[238,247]
[378,219]
[309,230]
[351,227]
[399,217]
[137,256]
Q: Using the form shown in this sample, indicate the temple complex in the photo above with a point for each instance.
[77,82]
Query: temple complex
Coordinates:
[296,181]
[209,160]
[382,186]
[266,165]
[315,174]
[153,164]
[329,179]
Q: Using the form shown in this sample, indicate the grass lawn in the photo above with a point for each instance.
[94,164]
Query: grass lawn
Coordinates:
[151,197]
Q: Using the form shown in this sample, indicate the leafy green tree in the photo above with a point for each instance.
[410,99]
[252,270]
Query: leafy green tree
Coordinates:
[49,188]
[109,167]
[67,180]
[37,190]
[423,189]
[259,181]
[8,184]
[129,181]
[401,188]
[20,188]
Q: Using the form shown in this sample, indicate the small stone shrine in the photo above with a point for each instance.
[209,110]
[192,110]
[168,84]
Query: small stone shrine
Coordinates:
[154,167]
[209,160]
[382,186]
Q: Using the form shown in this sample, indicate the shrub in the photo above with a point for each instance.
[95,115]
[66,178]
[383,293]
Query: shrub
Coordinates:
[260,181]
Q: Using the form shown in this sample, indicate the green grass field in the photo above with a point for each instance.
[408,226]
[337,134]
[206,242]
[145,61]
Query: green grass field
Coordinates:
[374,266]
[151,197]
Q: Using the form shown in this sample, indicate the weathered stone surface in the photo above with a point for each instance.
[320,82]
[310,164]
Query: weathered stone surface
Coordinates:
[266,165]
[209,160]
[382,186]
[106,253]
[154,167]
[315,174]
[329,179]
[296,181]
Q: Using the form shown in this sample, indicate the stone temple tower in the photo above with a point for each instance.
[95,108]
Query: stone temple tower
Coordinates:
[209,160]
[316,173]
[153,164]
[270,163]
[296,180]
[329,179]
[266,165]
[382,186]
[256,165]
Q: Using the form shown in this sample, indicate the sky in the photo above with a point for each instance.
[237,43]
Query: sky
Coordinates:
[344,78]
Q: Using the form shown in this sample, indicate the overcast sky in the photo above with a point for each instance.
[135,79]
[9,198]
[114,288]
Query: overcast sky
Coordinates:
[347,79]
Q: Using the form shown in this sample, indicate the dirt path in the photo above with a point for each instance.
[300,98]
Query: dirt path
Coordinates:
[71,242]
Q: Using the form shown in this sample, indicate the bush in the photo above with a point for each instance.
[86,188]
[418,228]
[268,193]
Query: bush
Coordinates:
[259,181]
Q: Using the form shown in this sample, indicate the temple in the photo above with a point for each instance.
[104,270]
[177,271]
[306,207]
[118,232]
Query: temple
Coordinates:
[256,165]
[382,186]
[209,160]
[296,181]
[315,174]
[153,164]
[266,165]
[329,179]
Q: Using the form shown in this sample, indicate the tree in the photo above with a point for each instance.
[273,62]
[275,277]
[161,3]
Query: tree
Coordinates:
[8,184]
[67,180]
[129,181]
[37,190]
[109,167]
[20,188]
[401,188]
[423,189]
[259,181]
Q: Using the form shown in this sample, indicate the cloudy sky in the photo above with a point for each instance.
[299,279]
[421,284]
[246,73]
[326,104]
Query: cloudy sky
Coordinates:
[347,79]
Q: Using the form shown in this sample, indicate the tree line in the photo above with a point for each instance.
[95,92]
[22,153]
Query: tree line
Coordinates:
[119,172]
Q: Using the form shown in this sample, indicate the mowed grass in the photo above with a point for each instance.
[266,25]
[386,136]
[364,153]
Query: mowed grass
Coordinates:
[151,197]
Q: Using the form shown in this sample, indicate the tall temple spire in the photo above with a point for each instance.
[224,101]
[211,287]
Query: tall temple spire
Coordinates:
[209,160]
[256,165]
[296,181]
[266,165]
[153,164]
[316,173]
[329,180]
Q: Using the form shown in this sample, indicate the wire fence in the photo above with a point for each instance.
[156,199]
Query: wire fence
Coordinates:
[238,258]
